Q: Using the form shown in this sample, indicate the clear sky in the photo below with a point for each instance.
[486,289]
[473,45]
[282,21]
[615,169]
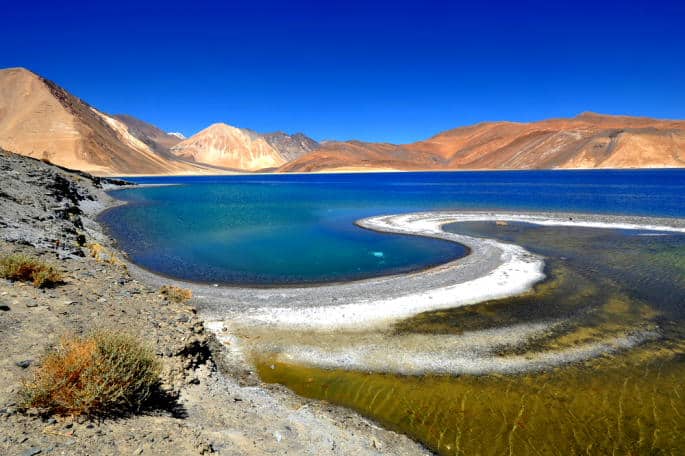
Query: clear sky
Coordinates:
[377,71]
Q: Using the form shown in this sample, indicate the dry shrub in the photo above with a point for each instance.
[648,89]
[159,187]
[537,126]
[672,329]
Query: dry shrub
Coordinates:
[176,294]
[29,269]
[103,254]
[105,373]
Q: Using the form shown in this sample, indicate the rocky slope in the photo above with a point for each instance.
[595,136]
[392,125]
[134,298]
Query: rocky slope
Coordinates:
[42,120]
[291,147]
[156,139]
[209,406]
[586,141]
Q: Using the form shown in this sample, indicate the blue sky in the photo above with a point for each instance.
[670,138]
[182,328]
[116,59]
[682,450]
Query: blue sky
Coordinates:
[377,71]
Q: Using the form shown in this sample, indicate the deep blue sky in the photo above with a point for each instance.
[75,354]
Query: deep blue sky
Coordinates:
[394,72]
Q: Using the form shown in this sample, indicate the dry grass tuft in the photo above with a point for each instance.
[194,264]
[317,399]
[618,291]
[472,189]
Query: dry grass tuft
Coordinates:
[105,373]
[101,253]
[176,294]
[29,269]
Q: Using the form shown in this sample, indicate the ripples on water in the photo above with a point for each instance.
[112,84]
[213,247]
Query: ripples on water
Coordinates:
[603,286]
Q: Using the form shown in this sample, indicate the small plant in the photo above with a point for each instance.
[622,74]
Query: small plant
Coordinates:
[105,373]
[103,254]
[176,294]
[29,269]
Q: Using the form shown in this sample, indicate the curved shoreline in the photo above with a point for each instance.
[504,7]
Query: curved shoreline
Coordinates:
[491,270]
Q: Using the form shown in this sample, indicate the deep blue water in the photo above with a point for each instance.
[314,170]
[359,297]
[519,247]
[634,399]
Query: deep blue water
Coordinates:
[286,229]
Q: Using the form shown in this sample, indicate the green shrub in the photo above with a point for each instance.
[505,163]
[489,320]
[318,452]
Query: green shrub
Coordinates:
[29,269]
[105,373]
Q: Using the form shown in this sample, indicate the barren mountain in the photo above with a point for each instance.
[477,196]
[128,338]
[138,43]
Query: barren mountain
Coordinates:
[586,141]
[42,120]
[158,140]
[229,147]
[291,147]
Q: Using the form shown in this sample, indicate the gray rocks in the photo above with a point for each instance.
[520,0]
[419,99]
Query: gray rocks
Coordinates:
[24,364]
[291,146]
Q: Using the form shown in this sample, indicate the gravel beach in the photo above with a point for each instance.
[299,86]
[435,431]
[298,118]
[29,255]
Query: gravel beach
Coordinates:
[212,406]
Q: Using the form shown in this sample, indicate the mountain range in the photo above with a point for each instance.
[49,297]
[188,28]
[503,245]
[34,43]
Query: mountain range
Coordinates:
[42,120]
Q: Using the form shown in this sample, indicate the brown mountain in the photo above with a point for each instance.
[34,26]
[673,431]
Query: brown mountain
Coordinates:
[586,141]
[157,139]
[230,147]
[42,120]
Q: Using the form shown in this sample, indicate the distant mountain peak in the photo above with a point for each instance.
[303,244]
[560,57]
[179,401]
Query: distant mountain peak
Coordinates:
[177,134]
[223,145]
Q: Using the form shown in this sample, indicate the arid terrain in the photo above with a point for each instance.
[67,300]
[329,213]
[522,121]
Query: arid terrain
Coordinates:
[42,120]
[587,141]
[207,405]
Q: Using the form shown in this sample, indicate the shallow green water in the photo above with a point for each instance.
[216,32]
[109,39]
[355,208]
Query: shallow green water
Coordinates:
[602,285]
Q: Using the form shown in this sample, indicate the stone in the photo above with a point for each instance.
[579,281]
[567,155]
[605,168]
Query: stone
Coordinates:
[31,451]
[24,363]
[32,304]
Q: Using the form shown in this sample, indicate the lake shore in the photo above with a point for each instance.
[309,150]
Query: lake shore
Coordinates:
[216,407]
[492,270]
[225,406]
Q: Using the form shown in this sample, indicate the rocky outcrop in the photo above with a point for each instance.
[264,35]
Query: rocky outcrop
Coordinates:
[291,147]
[47,207]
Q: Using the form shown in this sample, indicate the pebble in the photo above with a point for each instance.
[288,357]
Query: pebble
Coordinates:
[31,304]
[24,363]
[31,451]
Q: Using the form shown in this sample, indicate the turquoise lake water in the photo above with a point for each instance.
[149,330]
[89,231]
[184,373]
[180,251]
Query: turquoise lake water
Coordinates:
[298,229]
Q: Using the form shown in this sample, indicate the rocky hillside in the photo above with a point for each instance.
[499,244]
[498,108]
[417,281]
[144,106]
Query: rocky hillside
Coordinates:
[42,120]
[156,139]
[586,141]
[291,147]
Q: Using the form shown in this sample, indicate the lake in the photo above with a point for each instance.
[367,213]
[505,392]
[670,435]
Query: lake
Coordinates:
[299,229]
[618,295]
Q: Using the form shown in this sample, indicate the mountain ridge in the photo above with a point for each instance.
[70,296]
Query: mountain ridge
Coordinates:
[40,119]
[589,140]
